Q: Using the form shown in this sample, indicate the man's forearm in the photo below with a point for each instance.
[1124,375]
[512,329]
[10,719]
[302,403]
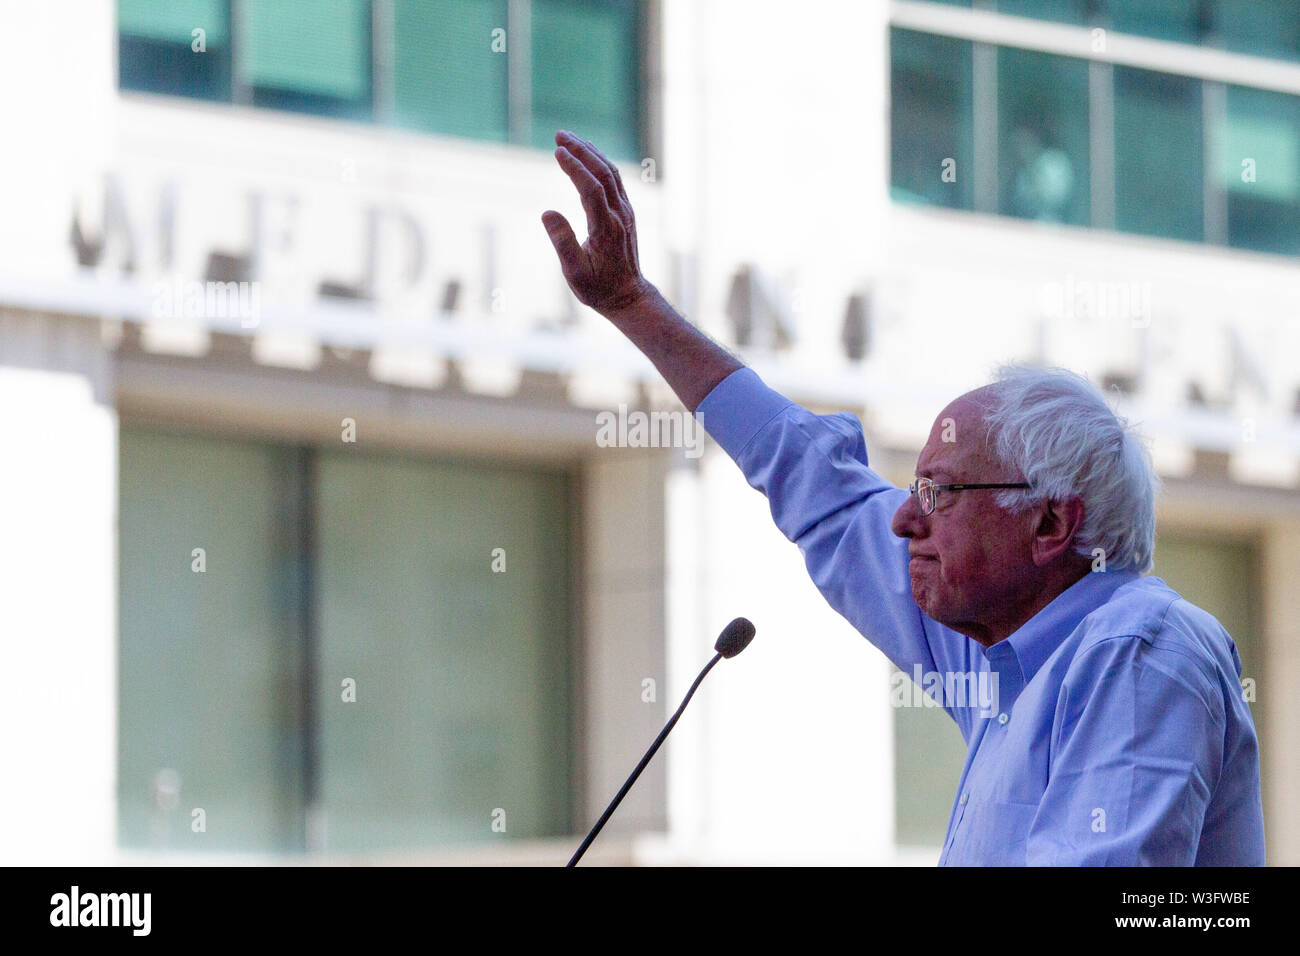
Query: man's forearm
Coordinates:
[691,363]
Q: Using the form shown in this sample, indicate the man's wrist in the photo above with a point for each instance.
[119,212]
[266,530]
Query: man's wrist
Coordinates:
[632,301]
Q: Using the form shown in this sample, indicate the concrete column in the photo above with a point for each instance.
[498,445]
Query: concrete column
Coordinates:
[624,625]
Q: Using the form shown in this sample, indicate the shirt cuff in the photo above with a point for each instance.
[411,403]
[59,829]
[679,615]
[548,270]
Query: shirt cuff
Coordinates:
[738,408]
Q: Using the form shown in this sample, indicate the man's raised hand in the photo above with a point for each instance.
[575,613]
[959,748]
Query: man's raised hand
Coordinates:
[604,272]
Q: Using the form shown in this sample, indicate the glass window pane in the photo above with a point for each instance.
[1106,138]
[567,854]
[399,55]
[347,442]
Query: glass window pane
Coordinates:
[1043,139]
[585,73]
[1182,21]
[308,55]
[174,20]
[462,696]
[1259,27]
[931,126]
[156,47]
[208,662]
[1159,158]
[1260,170]
[446,76]
[1062,11]
[928,757]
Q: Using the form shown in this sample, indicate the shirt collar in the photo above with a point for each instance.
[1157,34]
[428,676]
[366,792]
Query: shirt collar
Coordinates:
[1017,659]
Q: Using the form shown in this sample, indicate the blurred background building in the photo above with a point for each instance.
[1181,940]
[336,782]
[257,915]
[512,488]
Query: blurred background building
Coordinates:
[311,551]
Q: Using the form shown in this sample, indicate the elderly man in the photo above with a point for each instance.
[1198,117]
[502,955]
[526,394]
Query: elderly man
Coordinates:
[1118,734]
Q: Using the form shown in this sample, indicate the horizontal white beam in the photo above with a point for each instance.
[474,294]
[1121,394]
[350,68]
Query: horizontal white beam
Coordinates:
[355,326]
[1000,29]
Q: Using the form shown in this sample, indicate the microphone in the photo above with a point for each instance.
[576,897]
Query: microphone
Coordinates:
[735,637]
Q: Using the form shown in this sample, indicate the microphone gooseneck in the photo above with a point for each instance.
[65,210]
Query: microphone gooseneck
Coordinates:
[735,637]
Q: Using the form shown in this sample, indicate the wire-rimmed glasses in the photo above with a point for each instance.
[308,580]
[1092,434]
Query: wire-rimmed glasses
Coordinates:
[927,491]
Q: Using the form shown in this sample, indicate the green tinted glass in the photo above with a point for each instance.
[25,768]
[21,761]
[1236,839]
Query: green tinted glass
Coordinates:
[1182,21]
[175,20]
[1159,155]
[1061,11]
[208,715]
[1043,139]
[1258,27]
[1259,167]
[462,701]
[311,55]
[585,68]
[180,49]
[447,76]
[931,126]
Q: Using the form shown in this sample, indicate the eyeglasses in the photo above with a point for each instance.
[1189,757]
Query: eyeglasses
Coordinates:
[927,492]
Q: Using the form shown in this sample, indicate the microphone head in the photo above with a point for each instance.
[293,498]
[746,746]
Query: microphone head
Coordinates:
[735,637]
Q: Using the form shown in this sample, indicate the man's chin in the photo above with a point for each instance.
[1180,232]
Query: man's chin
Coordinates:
[931,608]
[921,595]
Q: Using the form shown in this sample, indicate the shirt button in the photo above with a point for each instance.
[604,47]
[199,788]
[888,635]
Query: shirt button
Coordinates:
[964,798]
[1002,719]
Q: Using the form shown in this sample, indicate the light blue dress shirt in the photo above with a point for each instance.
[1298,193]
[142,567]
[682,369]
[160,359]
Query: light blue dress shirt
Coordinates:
[1120,734]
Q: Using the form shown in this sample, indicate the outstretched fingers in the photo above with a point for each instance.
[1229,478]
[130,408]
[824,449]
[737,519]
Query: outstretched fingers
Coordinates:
[598,166]
[613,169]
[592,192]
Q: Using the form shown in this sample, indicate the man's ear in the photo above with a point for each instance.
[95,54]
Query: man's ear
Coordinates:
[1058,523]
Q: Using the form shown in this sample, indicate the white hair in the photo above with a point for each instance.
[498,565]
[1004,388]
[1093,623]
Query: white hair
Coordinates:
[1057,429]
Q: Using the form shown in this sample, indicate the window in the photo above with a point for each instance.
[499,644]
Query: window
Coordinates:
[321,568]
[468,703]
[1159,159]
[574,42]
[209,653]
[1259,170]
[1186,158]
[446,76]
[1042,137]
[312,56]
[156,47]
[932,138]
[456,67]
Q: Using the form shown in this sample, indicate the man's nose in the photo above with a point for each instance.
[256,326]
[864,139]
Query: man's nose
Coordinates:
[907,519]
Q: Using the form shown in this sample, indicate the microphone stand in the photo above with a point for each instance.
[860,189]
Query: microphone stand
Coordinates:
[627,785]
[735,637]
